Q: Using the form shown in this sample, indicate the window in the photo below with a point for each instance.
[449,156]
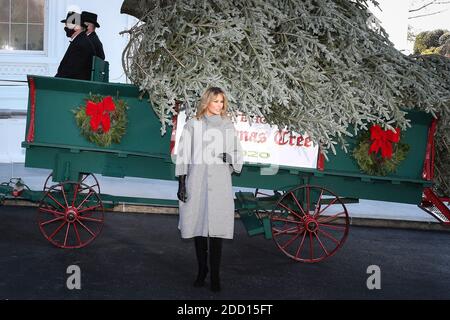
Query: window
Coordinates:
[22,25]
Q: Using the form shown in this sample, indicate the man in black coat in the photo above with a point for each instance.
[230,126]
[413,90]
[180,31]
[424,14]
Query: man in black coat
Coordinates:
[89,19]
[77,61]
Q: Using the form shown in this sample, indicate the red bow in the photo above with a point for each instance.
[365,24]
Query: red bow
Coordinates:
[99,113]
[383,139]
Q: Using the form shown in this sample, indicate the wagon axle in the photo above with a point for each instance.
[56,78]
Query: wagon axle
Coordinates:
[71,215]
[311,224]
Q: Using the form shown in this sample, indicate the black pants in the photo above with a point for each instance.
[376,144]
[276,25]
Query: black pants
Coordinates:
[215,254]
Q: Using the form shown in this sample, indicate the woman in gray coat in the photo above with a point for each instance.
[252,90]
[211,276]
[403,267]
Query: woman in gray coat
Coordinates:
[208,153]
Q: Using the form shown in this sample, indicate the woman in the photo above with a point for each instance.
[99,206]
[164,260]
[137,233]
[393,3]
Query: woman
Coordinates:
[209,152]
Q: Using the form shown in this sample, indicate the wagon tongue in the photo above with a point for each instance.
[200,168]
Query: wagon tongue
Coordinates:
[432,204]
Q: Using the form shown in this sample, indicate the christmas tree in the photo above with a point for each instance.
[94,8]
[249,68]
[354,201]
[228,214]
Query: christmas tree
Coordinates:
[319,66]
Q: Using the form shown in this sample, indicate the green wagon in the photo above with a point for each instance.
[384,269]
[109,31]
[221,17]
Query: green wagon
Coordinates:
[305,215]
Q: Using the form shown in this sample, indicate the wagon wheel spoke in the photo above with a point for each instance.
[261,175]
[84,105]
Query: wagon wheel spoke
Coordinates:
[321,244]
[89,209]
[64,195]
[90,219]
[84,178]
[67,234]
[318,206]
[75,193]
[308,194]
[286,220]
[319,212]
[300,247]
[57,230]
[84,189]
[56,201]
[77,234]
[290,241]
[298,204]
[46,181]
[290,210]
[277,232]
[311,247]
[289,229]
[332,226]
[326,234]
[51,221]
[285,228]
[54,212]
[87,197]
[87,229]
[331,218]
[90,181]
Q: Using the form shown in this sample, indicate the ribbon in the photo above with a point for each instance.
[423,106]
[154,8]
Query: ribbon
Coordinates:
[428,164]
[30,135]
[382,140]
[99,113]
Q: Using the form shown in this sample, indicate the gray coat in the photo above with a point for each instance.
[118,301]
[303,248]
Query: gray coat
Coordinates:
[209,209]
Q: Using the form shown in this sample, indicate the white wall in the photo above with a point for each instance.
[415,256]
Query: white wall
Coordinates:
[12,133]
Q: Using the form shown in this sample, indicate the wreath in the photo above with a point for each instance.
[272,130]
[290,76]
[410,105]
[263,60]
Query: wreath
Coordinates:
[102,120]
[379,152]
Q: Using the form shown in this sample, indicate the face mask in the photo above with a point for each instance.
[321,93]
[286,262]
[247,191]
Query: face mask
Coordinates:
[69,32]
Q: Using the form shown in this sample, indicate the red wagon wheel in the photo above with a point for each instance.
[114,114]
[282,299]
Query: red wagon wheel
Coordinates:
[86,178]
[310,223]
[71,215]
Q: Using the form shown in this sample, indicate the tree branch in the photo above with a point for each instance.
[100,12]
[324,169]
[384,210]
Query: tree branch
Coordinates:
[428,14]
[422,7]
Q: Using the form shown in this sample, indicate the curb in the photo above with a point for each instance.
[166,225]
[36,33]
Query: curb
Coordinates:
[398,224]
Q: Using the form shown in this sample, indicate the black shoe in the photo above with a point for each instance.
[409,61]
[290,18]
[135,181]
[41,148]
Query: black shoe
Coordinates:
[200,281]
[215,286]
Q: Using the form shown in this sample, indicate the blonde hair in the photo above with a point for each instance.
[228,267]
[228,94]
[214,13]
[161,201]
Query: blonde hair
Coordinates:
[207,97]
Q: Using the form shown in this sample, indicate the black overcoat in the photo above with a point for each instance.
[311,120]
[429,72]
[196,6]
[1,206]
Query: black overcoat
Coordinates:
[77,61]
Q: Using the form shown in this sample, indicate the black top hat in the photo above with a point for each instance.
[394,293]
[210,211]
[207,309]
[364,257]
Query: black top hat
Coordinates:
[89,17]
[72,17]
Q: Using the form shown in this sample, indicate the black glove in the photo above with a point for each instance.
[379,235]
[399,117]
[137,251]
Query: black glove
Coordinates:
[181,194]
[226,158]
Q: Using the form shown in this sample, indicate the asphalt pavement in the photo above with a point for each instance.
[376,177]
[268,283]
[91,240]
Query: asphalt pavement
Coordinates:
[141,256]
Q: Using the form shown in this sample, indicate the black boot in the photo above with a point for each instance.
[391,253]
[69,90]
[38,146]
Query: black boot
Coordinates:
[201,250]
[215,253]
